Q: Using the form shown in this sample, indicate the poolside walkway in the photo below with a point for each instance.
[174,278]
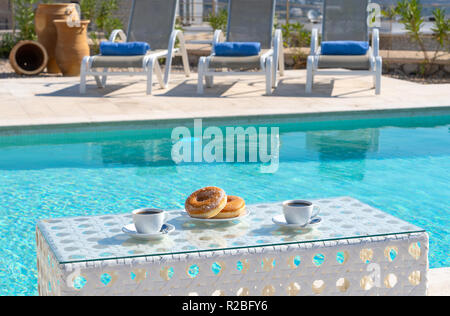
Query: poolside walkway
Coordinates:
[55,100]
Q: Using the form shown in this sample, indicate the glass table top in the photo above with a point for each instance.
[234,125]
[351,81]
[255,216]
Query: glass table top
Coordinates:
[80,239]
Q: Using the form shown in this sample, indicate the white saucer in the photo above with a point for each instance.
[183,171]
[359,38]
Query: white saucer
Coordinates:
[130,230]
[281,221]
[217,220]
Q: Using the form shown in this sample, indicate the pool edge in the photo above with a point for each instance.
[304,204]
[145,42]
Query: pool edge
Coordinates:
[220,120]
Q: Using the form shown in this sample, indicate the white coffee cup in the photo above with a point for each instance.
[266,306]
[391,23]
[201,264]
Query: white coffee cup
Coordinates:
[299,212]
[149,220]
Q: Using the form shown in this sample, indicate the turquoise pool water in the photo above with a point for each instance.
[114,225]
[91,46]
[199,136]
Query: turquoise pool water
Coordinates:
[401,166]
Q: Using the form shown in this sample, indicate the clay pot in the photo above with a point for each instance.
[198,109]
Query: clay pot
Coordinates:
[46,30]
[28,58]
[71,47]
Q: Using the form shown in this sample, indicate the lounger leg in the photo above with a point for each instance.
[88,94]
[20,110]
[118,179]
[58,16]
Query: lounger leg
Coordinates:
[159,74]
[209,81]
[278,64]
[201,69]
[104,78]
[278,56]
[309,74]
[184,56]
[187,69]
[281,61]
[83,71]
[274,71]
[99,82]
[149,83]
[373,69]
[82,83]
[379,69]
[168,69]
[269,76]
[274,78]
[149,67]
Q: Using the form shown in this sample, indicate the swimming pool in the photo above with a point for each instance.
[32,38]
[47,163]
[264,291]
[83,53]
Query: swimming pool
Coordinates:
[401,166]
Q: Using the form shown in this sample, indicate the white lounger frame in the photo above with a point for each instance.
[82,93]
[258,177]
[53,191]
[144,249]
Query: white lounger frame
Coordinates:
[375,70]
[150,63]
[271,62]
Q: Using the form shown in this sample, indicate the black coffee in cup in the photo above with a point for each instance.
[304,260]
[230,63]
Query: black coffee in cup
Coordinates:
[299,204]
[149,212]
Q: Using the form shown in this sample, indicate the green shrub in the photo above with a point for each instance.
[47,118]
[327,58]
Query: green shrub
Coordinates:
[23,11]
[441,28]
[295,35]
[6,44]
[410,13]
[105,19]
[24,18]
[101,14]
[219,21]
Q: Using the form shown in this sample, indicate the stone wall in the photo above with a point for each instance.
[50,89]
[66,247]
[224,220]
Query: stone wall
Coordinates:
[5,14]
[414,69]
[124,12]
[404,42]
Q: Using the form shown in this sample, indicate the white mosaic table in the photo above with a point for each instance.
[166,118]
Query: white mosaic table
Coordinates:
[357,250]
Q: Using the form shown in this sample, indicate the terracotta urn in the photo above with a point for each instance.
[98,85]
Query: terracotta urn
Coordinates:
[28,58]
[46,30]
[71,47]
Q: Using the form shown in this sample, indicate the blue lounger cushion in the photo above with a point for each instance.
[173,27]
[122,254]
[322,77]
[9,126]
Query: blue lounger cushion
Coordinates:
[237,49]
[344,48]
[123,49]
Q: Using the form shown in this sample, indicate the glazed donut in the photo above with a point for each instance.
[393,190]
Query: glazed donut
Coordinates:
[235,207]
[206,202]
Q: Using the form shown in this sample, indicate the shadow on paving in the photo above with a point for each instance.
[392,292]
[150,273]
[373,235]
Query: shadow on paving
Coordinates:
[91,91]
[188,89]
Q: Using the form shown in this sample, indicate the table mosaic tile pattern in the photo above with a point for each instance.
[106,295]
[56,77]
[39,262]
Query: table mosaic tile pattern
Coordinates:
[82,239]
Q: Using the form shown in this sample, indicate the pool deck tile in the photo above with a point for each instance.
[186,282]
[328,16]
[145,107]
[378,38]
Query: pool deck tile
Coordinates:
[439,282]
[55,100]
